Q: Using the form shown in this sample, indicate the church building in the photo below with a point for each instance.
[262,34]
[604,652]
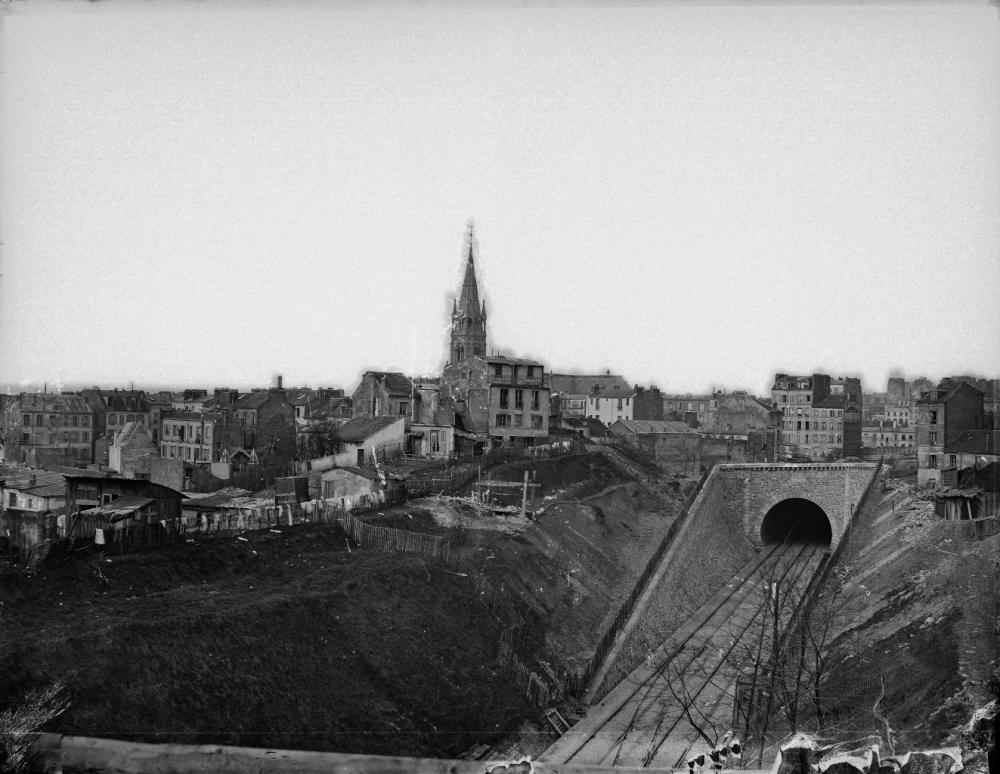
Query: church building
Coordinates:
[498,401]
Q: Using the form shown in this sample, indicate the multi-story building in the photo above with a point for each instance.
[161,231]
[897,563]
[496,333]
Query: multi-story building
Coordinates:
[612,405]
[384,394]
[573,391]
[696,410]
[55,428]
[502,400]
[942,415]
[739,412]
[821,417]
[192,436]
[885,436]
[896,416]
[897,392]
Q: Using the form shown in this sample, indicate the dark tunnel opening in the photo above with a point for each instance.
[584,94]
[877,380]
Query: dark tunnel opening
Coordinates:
[797,521]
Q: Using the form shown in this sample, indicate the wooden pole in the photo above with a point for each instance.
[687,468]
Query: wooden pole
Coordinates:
[524,495]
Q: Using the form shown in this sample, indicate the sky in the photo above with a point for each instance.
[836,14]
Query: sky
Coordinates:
[693,196]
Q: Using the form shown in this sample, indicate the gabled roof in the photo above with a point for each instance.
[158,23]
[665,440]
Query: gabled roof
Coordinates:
[975,442]
[582,384]
[653,426]
[56,402]
[395,383]
[252,400]
[362,428]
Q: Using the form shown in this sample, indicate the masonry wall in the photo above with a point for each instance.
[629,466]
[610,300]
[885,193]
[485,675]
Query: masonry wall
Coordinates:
[705,555]
[755,489]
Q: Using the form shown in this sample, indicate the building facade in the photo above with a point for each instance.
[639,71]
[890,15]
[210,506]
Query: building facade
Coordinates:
[821,417]
[942,416]
[55,425]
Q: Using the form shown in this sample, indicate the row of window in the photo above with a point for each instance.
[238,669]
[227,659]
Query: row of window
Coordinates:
[189,453]
[56,420]
[63,436]
[932,460]
[808,411]
[500,368]
[799,424]
[115,418]
[594,401]
[190,433]
[504,420]
[793,438]
[519,399]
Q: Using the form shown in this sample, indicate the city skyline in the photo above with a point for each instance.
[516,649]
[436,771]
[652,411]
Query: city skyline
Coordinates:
[690,197]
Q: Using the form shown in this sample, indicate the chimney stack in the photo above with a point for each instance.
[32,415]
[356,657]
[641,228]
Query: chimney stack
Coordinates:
[279,381]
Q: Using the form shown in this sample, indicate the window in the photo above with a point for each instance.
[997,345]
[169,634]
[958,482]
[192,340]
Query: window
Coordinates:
[503,420]
[536,422]
[519,399]
[518,420]
[402,408]
[535,402]
[13,500]
[619,405]
[504,398]
[933,439]
[435,440]
[932,460]
[932,416]
[26,419]
[497,369]
[953,460]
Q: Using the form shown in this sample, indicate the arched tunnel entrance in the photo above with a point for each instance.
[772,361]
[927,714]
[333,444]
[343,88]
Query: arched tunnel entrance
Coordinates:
[797,521]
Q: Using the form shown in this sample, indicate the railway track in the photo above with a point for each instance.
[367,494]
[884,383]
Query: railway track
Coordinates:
[651,717]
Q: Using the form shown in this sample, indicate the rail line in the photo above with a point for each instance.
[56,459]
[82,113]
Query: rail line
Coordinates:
[648,710]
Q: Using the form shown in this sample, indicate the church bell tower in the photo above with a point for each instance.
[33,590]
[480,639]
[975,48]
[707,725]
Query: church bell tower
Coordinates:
[468,316]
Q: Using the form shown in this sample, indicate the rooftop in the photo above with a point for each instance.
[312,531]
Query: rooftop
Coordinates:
[650,426]
[362,428]
[395,383]
[38,401]
[582,384]
[975,442]
[120,508]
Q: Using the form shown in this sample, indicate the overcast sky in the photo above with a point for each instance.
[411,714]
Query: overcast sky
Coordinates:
[690,196]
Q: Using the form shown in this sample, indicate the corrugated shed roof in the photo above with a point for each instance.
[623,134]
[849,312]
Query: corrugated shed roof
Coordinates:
[362,428]
[216,499]
[653,426]
[120,508]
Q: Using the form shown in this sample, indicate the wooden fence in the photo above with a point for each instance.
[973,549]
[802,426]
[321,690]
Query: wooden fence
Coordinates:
[389,539]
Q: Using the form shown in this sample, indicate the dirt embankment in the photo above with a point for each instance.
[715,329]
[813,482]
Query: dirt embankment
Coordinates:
[919,610]
[290,640]
[574,560]
[303,645]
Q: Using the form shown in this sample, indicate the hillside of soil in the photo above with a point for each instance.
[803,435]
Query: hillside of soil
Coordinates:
[296,639]
[919,615]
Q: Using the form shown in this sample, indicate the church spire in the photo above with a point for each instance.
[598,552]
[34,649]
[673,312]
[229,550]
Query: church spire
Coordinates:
[468,318]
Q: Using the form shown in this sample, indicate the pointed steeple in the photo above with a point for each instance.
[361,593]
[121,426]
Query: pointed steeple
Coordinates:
[468,319]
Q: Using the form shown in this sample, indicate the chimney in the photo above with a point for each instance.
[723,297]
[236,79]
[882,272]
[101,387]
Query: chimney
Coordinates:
[279,381]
